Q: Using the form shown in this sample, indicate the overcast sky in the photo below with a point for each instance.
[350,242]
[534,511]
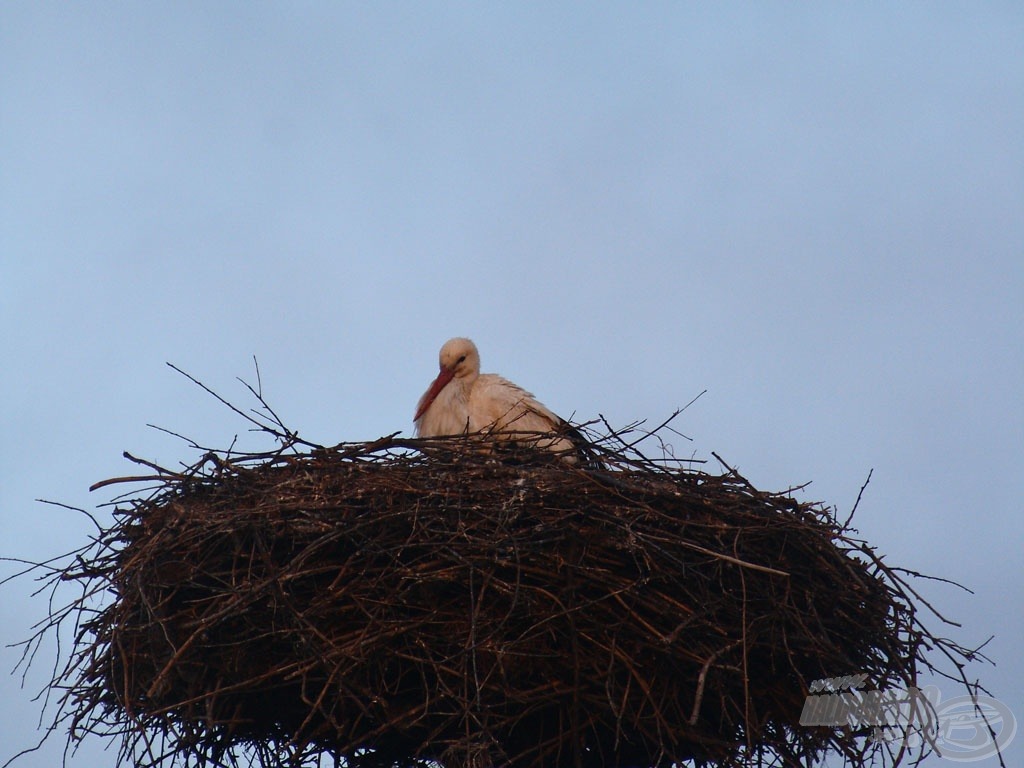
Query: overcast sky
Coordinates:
[813,211]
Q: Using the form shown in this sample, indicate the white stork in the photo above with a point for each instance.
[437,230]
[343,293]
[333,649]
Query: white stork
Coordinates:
[461,400]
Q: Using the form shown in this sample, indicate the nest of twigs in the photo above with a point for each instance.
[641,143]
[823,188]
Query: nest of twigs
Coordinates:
[403,601]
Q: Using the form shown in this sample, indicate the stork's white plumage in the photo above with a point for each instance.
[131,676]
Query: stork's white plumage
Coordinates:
[462,400]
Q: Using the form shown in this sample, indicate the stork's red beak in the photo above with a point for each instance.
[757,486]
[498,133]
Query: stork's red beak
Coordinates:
[435,389]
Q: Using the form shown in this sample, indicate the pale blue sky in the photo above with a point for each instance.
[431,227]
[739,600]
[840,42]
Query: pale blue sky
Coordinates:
[813,211]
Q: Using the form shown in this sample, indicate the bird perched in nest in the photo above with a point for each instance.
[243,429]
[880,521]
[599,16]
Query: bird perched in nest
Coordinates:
[461,400]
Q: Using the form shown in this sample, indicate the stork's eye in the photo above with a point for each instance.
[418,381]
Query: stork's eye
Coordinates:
[461,360]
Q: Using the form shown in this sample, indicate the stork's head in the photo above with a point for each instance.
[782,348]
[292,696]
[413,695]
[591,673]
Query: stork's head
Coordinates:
[458,359]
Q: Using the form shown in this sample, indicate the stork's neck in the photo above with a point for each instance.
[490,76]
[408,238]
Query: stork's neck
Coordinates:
[458,389]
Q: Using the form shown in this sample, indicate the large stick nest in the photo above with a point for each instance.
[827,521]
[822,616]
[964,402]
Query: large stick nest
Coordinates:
[397,602]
